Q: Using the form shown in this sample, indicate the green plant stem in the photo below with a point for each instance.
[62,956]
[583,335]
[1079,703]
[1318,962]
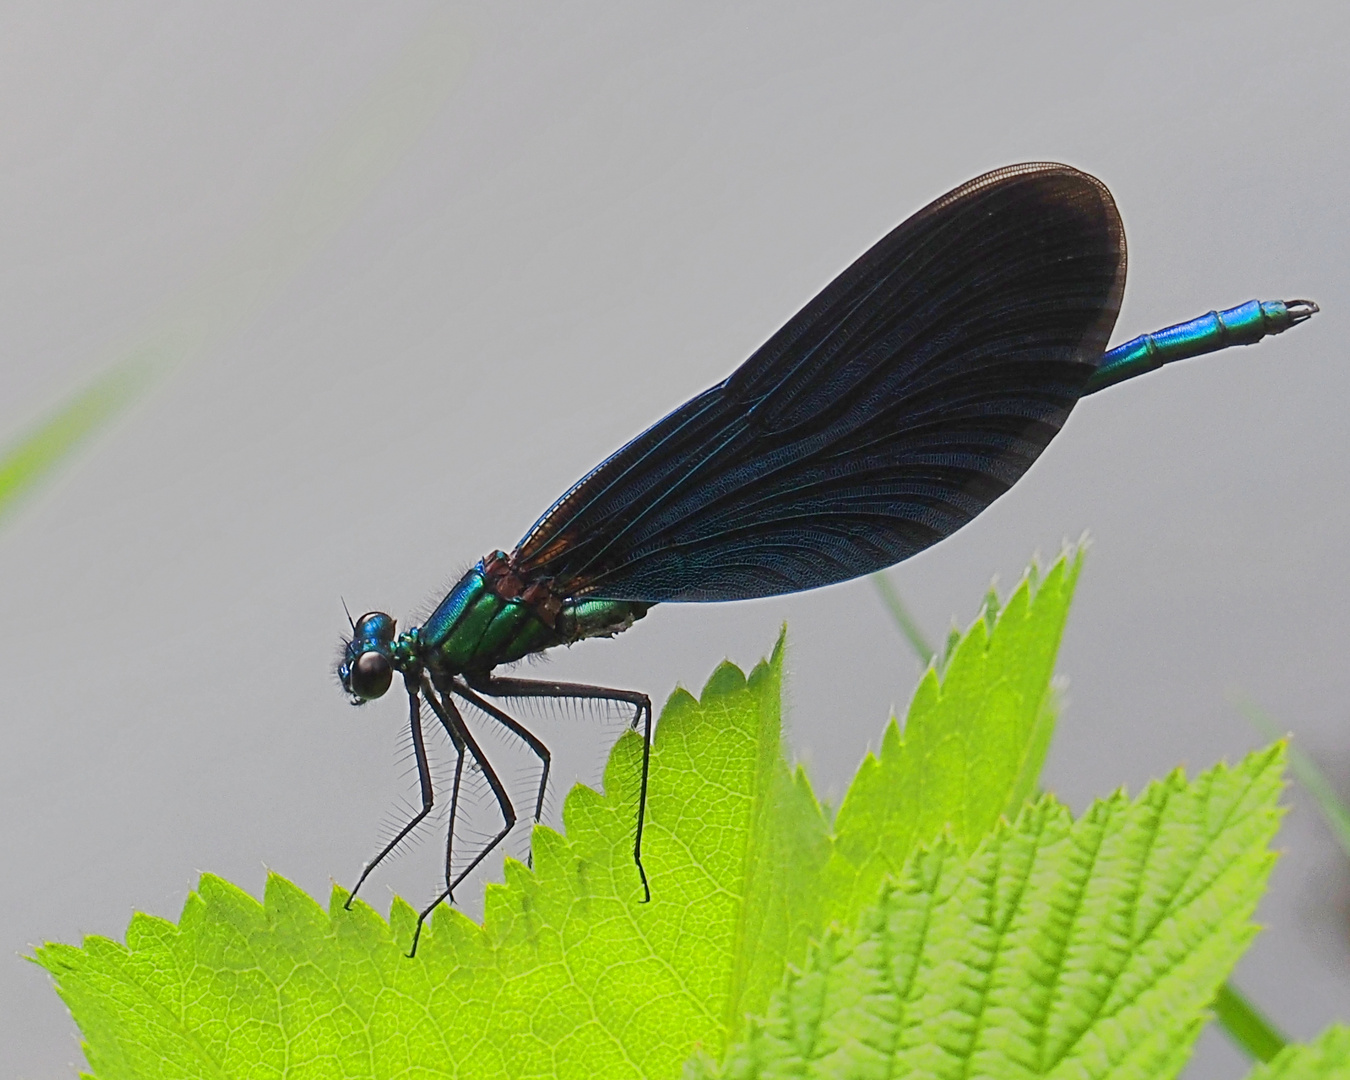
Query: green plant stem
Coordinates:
[38,453]
[1254,1034]
[1305,771]
[903,620]
[322,197]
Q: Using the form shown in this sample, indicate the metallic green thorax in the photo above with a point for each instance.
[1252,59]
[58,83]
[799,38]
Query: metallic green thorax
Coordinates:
[491,617]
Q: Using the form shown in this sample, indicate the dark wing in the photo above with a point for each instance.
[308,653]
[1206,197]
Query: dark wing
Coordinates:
[893,408]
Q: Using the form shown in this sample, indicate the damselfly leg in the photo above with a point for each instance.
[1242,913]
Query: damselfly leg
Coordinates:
[424,781]
[463,739]
[642,715]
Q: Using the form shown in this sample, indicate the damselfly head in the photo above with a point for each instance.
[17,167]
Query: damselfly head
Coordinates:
[367,668]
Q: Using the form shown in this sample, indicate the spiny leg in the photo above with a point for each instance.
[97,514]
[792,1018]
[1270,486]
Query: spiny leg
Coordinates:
[642,704]
[424,778]
[458,731]
[525,734]
[460,753]
[454,810]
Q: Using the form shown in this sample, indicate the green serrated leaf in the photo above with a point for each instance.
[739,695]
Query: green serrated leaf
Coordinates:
[569,975]
[1327,1057]
[1058,948]
[973,745]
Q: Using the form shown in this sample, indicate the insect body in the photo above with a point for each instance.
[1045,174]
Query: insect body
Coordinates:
[892,409]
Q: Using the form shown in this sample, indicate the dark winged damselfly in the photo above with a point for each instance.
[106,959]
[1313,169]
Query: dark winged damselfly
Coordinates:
[892,409]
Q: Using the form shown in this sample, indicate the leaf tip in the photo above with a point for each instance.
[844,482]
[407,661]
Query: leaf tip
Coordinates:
[725,680]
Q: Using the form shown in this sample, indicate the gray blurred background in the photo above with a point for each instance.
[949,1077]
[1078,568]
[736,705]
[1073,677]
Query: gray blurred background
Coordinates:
[413,270]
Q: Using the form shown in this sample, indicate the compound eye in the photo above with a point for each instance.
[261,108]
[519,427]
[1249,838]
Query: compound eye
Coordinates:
[371,675]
